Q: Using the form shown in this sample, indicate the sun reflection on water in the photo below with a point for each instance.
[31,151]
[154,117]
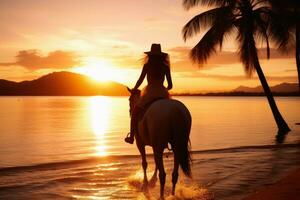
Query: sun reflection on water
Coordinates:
[100,114]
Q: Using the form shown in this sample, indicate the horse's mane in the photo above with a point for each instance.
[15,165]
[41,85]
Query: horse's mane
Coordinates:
[136,92]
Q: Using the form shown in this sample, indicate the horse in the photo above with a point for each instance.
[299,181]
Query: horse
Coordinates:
[166,121]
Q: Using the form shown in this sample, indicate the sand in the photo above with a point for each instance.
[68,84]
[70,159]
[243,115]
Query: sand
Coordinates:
[287,188]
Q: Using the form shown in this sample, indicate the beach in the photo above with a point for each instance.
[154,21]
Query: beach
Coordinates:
[286,188]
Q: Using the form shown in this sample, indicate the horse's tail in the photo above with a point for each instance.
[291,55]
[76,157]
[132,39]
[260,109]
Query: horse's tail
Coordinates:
[181,141]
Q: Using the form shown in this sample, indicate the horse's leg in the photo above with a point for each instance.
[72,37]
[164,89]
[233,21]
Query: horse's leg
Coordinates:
[144,164]
[175,173]
[153,179]
[158,156]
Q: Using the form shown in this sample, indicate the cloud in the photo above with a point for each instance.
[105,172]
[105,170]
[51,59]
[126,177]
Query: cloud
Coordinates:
[33,60]
[226,57]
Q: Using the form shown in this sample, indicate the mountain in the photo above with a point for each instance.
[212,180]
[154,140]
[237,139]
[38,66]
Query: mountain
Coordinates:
[62,84]
[280,88]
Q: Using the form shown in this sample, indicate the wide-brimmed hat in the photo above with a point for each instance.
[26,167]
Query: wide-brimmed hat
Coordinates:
[155,50]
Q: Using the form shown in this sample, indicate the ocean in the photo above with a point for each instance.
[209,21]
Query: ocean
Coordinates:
[73,148]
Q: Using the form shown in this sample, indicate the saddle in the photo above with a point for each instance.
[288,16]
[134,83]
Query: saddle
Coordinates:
[142,110]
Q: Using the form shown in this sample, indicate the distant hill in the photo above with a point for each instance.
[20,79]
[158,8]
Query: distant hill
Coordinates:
[62,84]
[280,88]
[283,89]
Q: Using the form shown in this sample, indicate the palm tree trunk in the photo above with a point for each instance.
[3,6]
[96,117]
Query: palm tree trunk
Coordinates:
[280,122]
[298,52]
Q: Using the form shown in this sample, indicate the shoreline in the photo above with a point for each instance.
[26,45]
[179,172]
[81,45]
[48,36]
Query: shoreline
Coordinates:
[172,95]
[286,188]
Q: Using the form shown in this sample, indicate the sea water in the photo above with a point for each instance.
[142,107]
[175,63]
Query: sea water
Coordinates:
[73,148]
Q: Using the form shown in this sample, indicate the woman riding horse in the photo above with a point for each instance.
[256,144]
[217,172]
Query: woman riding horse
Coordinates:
[167,121]
[156,68]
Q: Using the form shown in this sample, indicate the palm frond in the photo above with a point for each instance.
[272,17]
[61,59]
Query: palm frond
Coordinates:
[261,20]
[205,47]
[248,55]
[188,4]
[259,3]
[209,42]
[203,20]
[280,30]
[247,47]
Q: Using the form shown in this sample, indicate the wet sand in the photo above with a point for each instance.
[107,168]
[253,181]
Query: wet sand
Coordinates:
[286,188]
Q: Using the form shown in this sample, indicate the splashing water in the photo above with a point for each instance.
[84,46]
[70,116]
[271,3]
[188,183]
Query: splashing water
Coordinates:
[183,191]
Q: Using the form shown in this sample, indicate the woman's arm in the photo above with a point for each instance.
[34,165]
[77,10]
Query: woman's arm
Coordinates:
[141,78]
[169,79]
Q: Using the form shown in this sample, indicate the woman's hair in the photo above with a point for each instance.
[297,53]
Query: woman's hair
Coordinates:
[157,61]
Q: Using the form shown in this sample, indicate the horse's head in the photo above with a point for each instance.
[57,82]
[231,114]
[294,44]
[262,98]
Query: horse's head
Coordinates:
[134,97]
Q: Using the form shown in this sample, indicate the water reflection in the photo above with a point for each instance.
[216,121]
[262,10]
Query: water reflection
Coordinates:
[100,114]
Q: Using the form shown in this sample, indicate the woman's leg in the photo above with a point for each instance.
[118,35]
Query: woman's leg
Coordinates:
[133,124]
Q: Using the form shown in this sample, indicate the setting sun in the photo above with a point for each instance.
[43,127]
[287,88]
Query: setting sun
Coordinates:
[97,69]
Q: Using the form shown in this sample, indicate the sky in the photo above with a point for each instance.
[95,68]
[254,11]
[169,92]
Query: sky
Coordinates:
[106,40]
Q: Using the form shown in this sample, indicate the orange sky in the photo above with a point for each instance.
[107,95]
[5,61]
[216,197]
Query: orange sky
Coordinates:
[106,39]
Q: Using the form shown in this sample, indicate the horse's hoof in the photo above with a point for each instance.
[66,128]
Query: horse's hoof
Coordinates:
[145,187]
[152,181]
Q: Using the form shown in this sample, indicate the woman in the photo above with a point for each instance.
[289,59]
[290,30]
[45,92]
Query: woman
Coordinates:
[156,67]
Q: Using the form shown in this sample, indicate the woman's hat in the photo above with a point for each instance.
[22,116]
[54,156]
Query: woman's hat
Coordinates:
[155,50]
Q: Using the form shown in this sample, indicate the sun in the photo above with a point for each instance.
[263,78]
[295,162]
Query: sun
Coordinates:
[97,69]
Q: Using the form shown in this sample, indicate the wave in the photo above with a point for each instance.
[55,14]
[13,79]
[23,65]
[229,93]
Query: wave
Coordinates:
[243,148]
[72,163]
[51,165]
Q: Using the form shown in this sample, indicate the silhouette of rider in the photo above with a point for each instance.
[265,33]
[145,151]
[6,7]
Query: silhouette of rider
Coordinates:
[156,68]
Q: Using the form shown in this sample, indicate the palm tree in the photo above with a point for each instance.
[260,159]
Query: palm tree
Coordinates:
[249,18]
[285,27]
